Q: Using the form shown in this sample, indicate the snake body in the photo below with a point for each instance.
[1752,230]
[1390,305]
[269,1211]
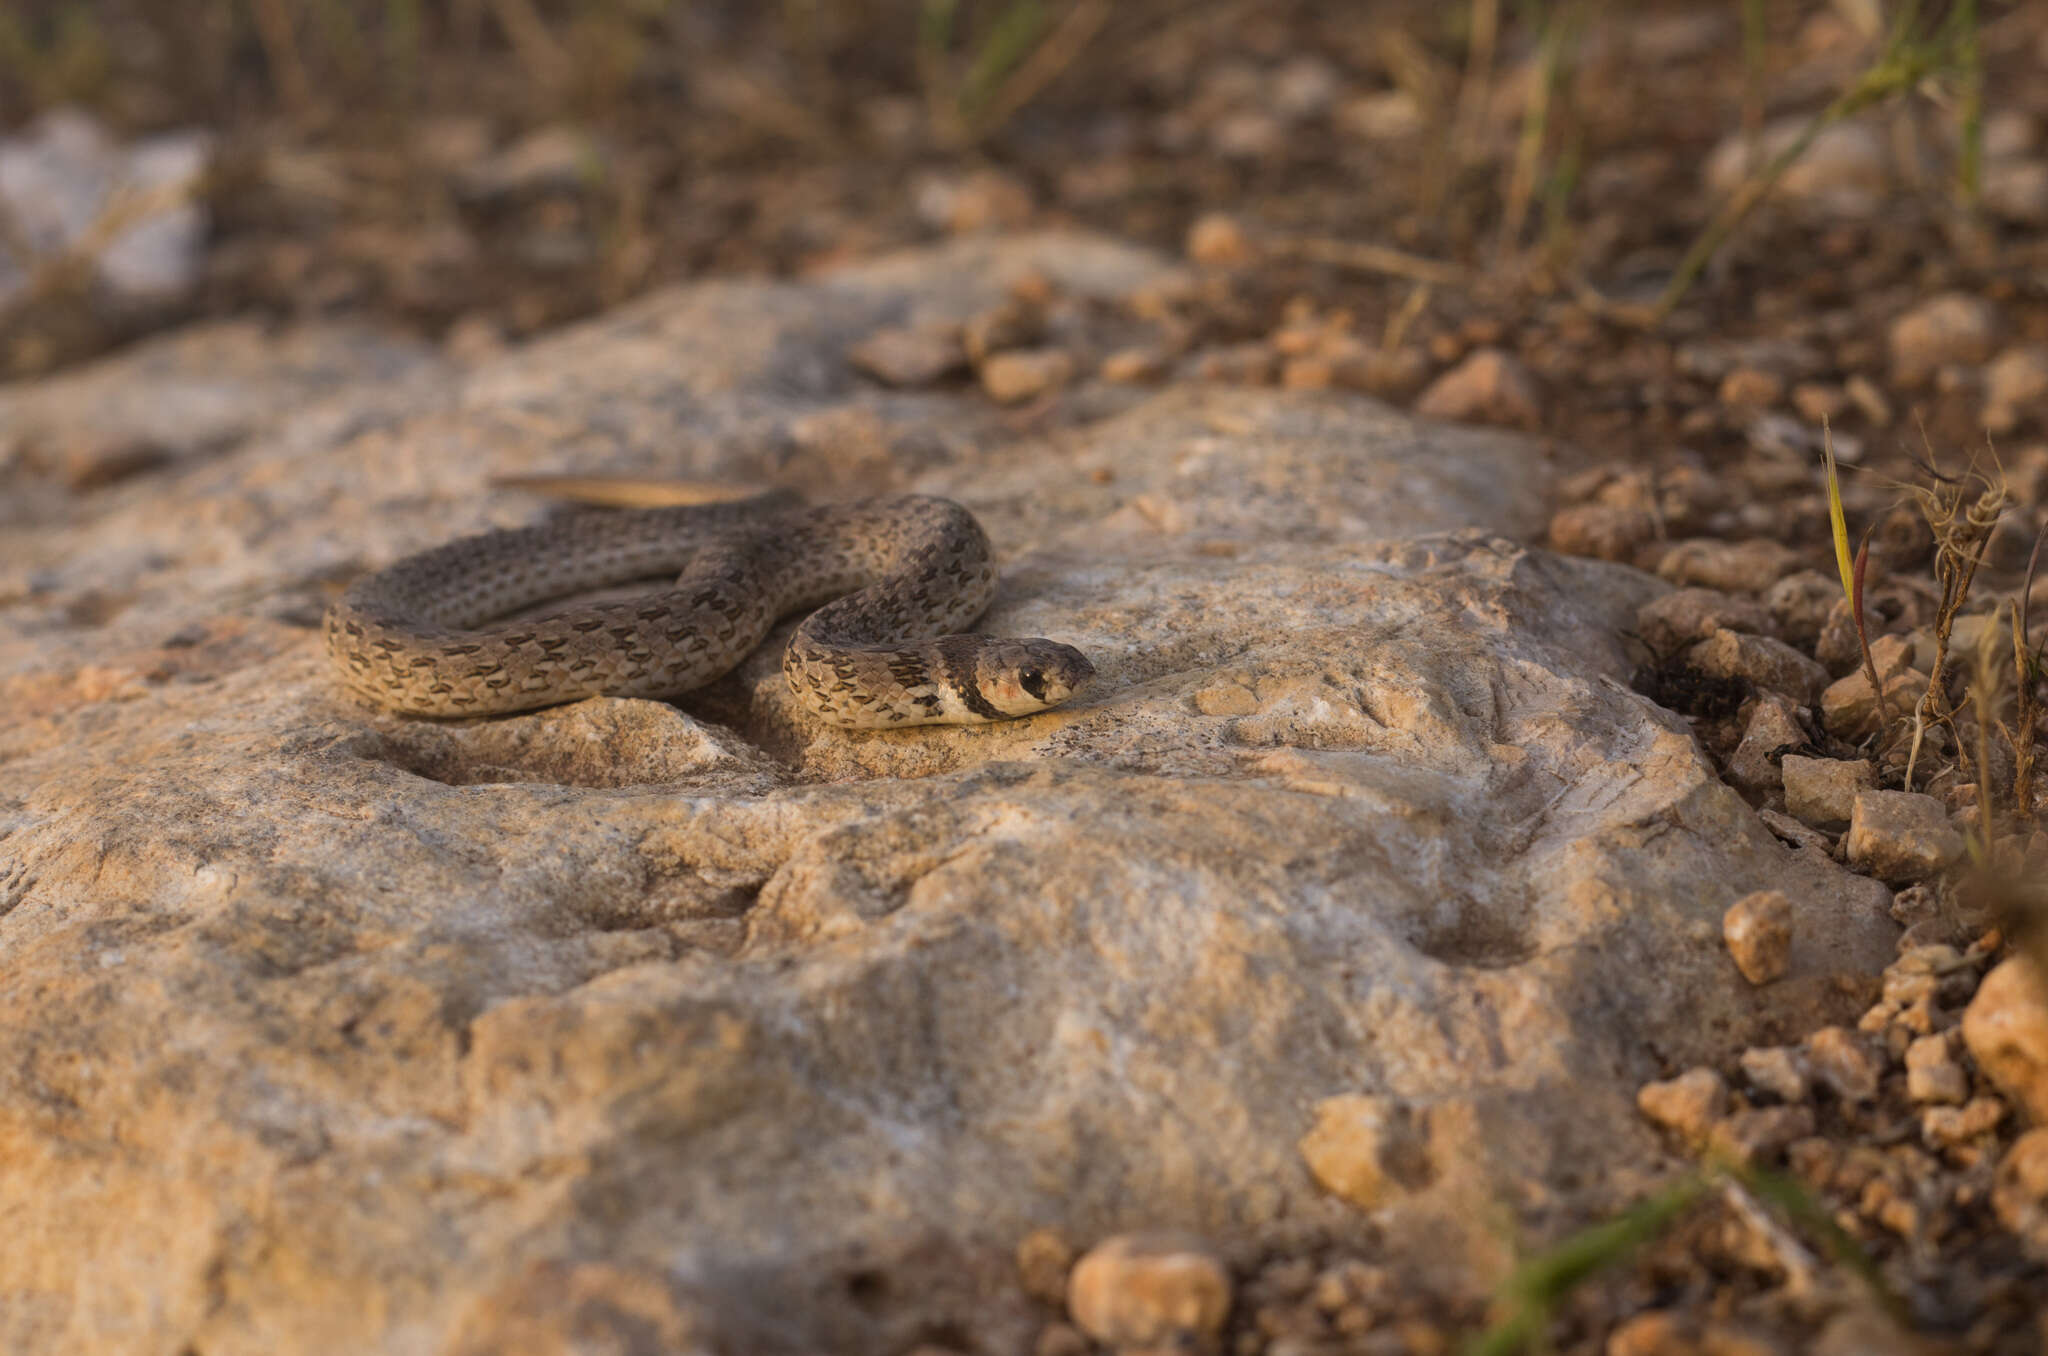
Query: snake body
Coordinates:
[899,580]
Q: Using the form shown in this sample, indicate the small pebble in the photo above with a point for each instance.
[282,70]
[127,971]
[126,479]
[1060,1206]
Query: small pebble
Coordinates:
[1731,566]
[902,356]
[1760,1134]
[1773,729]
[2019,1192]
[1687,1105]
[1758,932]
[1779,1070]
[1932,1074]
[1012,378]
[1148,1290]
[1489,386]
[1954,327]
[1683,616]
[2006,1030]
[1799,604]
[1900,836]
[1822,791]
[1770,664]
[1216,240]
[1043,1260]
[1842,1062]
[1601,531]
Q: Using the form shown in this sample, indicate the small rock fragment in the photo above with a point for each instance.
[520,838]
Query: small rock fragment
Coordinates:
[1822,791]
[1780,1070]
[1848,709]
[1773,728]
[1947,1127]
[1760,1134]
[1800,602]
[1845,171]
[1683,616]
[1758,931]
[1489,386]
[1012,378]
[2006,1029]
[1011,324]
[1687,1105]
[1365,1149]
[1043,1259]
[1842,1061]
[1954,327]
[2017,190]
[1652,1333]
[1932,1074]
[1900,836]
[1150,1290]
[1734,567]
[903,356]
[1770,664]
[2015,385]
[2019,1192]
[1130,366]
[1752,388]
[1601,531]
[1218,241]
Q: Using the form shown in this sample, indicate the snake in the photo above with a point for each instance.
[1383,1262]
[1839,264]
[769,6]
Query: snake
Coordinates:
[891,585]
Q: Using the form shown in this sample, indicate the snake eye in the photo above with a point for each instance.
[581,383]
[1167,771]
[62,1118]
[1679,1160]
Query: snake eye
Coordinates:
[1033,682]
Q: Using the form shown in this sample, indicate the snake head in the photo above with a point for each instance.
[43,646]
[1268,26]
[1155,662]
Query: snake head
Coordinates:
[1018,677]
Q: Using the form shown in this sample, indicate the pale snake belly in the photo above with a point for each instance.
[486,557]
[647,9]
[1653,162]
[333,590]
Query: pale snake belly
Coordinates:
[899,580]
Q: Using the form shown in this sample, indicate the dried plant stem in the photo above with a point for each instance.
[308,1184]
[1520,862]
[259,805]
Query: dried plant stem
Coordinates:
[274,29]
[1068,38]
[1367,258]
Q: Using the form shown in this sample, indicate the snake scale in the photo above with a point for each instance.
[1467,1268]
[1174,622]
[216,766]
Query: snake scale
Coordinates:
[895,582]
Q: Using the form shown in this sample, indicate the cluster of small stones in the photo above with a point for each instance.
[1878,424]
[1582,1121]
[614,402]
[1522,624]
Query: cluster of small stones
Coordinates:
[1923,1128]
[1169,1294]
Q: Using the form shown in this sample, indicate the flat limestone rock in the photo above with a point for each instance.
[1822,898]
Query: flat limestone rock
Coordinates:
[328,1030]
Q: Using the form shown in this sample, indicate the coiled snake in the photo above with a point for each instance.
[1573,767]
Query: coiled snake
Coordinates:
[898,578]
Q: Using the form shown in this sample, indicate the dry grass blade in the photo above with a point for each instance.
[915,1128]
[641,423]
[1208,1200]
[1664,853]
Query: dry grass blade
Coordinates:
[1366,258]
[1052,56]
[544,58]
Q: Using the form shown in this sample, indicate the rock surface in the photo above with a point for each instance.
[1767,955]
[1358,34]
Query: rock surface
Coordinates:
[332,1031]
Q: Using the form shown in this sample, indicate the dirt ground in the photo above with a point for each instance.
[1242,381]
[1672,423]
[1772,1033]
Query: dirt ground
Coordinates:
[1371,194]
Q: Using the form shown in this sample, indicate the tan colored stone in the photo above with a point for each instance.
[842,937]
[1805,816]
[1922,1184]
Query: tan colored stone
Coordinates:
[1900,836]
[1773,729]
[1601,531]
[1945,1127]
[2019,1193]
[1683,616]
[1367,1149]
[1757,930]
[1844,1063]
[1770,664]
[1150,1290]
[1025,374]
[1954,327]
[1043,1259]
[2006,1029]
[1750,566]
[1687,1105]
[1217,240]
[1779,1070]
[1489,386]
[1760,1134]
[905,356]
[1823,791]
